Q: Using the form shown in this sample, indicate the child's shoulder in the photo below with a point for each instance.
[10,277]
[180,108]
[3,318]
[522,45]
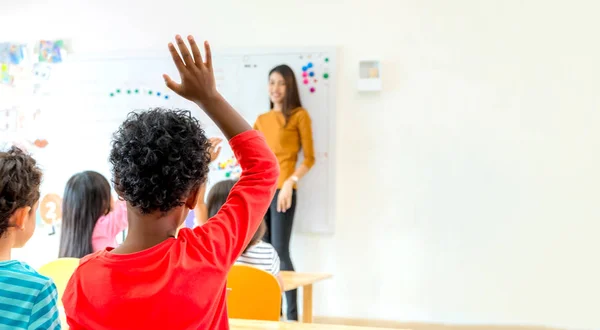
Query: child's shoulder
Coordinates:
[21,271]
[90,257]
[262,246]
[265,245]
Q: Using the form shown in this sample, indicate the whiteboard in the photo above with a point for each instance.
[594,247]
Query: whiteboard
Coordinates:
[88,96]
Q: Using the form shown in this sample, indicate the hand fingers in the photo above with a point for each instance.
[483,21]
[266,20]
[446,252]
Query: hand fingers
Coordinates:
[215,140]
[176,58]
[218,152]
[195,52]
[185,53]
[283,203]
[279,204]
[175,87]
[208,54]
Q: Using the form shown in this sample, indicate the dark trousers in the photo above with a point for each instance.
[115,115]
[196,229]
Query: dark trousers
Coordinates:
[278,234]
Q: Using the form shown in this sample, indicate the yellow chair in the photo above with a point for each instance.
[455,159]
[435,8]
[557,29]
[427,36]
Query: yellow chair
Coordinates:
[60,272]
[255,294]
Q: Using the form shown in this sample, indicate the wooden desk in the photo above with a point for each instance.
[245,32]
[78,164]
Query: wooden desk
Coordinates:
[271,325]
[294,280]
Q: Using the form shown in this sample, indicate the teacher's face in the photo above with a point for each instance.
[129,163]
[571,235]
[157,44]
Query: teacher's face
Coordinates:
[276,88]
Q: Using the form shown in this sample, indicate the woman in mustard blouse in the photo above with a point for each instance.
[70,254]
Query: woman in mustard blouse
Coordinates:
[287,129]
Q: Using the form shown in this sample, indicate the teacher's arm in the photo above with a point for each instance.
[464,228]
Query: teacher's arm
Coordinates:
[306,141]
[284,201]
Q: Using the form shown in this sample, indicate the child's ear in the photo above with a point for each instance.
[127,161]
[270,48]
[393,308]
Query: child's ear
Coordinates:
[19,217]
[191,201]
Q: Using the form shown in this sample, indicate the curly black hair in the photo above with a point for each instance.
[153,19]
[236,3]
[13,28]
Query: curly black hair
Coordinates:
[20,180]
[158,157]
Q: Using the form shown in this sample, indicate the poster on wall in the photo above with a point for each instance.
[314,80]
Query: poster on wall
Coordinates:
[12,62]
[25,69]
[25,112]
[51,51]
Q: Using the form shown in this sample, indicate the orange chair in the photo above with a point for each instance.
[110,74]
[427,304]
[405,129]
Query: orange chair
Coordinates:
[255,294]
[60,271]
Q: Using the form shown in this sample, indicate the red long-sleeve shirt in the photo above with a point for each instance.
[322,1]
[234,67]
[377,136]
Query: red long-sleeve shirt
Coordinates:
[181,282]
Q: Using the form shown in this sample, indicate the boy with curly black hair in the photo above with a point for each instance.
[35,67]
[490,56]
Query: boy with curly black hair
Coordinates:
[27,299]
[158,279]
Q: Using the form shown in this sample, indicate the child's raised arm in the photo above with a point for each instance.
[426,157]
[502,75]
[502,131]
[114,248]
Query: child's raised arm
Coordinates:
[226,235]
[198,85]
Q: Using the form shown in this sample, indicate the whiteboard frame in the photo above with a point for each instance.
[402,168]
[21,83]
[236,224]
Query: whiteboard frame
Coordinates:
[332,51]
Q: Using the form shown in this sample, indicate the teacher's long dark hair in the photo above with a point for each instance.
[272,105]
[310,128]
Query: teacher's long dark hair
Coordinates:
[85,200]
[291,100]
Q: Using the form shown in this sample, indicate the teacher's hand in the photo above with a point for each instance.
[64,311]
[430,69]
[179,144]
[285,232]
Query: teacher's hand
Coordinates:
[284,200]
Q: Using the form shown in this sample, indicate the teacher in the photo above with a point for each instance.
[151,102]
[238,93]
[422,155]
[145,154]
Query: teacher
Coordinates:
[287,128]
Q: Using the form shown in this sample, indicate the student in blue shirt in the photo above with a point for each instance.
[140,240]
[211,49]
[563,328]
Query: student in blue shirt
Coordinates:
[27,299]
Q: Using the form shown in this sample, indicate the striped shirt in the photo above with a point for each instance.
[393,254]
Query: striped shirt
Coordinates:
[261,255]
[27,299]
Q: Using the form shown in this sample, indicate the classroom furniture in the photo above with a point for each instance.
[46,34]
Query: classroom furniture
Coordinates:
[60,271]
[235,324]
[255,294]
[294,280]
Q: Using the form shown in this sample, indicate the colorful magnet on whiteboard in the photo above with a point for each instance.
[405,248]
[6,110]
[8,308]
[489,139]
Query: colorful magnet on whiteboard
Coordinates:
[326,59]
[118,91]
[326,75]
[304,68]
[149,92]
[312,74]
[305,81]
[112,94]
[166,97]
[310,65]
[312,89]
[304,74]
[157,93]
[129,91]
[137,91]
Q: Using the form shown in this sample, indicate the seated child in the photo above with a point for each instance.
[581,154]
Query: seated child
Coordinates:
[27,299]
[88,223]
[262,255]
[258,253]
[158,278]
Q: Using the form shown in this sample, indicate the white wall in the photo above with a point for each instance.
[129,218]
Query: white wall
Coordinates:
[467,188]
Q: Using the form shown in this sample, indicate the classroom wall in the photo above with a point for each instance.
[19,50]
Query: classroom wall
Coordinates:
[467,189]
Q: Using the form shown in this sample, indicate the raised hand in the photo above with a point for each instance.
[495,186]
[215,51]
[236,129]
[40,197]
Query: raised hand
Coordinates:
[197,77]
[214,150]
[198,85]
